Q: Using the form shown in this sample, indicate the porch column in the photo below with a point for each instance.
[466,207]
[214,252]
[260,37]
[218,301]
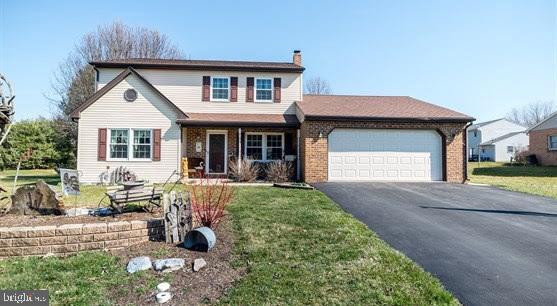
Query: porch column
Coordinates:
[298,154]
[239,148]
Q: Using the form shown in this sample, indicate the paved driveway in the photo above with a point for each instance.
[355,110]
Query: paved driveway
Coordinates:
[488,246]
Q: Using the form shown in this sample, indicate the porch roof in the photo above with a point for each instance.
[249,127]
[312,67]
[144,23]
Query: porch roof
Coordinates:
[239,120]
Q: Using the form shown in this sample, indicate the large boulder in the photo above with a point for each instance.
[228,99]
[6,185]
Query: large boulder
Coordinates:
[37,199]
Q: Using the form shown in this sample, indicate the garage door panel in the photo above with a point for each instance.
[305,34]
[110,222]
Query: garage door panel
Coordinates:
[368,154]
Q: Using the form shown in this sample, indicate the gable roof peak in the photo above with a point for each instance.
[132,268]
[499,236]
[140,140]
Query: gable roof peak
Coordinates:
[76,113]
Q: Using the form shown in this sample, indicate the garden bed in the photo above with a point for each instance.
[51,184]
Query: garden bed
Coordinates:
[187,287]
[7,220]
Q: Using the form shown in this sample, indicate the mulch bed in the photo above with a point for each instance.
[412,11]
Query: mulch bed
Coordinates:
[7,220]
[187,287]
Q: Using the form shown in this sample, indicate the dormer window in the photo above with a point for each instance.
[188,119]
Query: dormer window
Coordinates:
[264,90]
[220,89]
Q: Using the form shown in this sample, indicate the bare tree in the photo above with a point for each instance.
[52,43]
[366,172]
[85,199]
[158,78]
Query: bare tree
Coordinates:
[531,114]
[317,86]
[74,81]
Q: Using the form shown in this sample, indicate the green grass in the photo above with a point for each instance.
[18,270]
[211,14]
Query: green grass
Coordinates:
[82,279]
[301,248]
[297,245]
[540,180]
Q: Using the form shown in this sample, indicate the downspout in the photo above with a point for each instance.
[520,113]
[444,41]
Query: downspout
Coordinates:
[466,151]
[239,149]
[298,154]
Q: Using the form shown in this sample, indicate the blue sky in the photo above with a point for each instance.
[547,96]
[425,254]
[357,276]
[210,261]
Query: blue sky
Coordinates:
[478,57]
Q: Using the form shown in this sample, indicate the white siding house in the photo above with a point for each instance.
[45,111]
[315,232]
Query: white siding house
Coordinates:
[111,111]
[496,140]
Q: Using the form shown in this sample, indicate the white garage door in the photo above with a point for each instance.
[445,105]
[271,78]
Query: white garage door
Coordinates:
[384,155]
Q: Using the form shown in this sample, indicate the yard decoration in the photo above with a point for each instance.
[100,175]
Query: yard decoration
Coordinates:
[122,195]
[7,106]
[201,239]
[177,216]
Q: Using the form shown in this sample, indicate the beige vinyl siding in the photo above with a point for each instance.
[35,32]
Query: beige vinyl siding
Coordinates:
[183,87]
[149,111]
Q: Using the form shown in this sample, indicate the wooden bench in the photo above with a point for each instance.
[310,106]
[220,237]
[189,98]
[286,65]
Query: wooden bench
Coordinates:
[120,198]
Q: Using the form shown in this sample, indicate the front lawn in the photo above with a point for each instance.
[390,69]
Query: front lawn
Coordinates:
[540,180]
[301,248]
[297,246]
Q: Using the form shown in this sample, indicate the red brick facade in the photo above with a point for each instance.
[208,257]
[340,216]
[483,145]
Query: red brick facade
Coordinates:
[314,149]
[199,134]
[539,146]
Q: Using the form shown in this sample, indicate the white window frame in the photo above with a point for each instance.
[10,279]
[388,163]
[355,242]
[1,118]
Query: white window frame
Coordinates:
[131,134]
[263,145]
[511,149]
[549,143]
[255,90]
[211,88]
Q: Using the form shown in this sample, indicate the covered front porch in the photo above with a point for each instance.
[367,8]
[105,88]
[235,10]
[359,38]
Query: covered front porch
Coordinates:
[211,142]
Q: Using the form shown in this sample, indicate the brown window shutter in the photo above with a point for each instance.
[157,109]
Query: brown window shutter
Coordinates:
[156,144]
[276,85]
[233,89]
[206,88]
[101,147]
[249,89]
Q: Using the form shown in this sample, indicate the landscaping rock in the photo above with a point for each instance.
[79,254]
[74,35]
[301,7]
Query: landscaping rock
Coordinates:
[169,265]
[162,287]
[198,264]
[163,297]
[74,212]
[139,264]
[37,199]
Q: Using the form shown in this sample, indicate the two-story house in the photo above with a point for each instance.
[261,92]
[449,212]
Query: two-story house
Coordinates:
[496,140]
[148,114]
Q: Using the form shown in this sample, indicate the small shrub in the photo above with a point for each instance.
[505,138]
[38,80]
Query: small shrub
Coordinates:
[521,156]
[209,200]
[245,170]
[279,171]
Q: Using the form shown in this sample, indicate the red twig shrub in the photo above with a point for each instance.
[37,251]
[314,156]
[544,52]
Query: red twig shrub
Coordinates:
[209,200]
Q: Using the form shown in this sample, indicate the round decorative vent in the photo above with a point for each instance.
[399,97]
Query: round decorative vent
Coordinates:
[130,95]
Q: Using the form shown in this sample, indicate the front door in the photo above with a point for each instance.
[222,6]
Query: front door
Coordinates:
[216,153]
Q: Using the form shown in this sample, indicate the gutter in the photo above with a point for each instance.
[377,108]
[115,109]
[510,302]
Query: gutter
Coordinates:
[391,119]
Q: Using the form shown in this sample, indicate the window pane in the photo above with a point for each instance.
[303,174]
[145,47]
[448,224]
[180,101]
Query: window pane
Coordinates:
[553,142]
[263,84]
[220,93]
[254,147]
[220,88]
[254,140]
[119,143]
[254,153]
[142,144]
[263,89]
[274,147]
[263,95]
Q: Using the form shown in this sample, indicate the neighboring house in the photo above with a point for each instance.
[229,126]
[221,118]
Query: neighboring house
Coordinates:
[148,114]
[496,140]
[543,141]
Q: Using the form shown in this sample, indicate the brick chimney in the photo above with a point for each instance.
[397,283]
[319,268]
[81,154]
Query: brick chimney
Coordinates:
[297,57]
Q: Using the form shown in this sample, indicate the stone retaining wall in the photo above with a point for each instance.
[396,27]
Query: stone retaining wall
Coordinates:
[72,238]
